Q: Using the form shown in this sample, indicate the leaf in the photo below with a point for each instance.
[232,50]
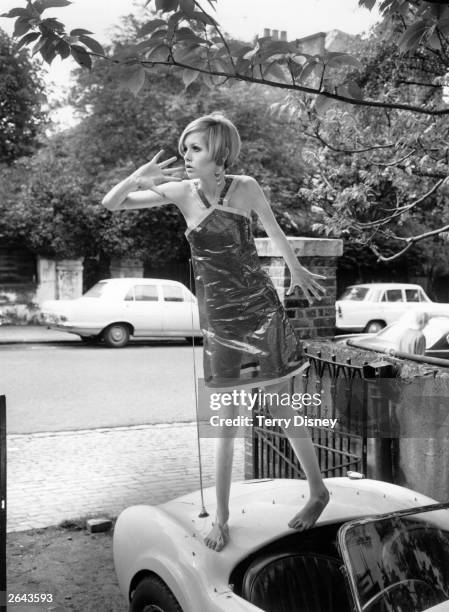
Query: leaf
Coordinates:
[276,71]
[354,90]
[152,25]
[80,32]
[166,5]
[17,12]
[133,79]
[189,76]
[413,35]
[309,68]
[322,104]
[204,18]
[48,50]
[187,35]
[40,43]
[92,44]
[63,48]
[334,60]
[25,40]
[81,56]
[369,4]
[160,53]
[41,5]
[300,58]
[21,26]
[188,7]
[443,26]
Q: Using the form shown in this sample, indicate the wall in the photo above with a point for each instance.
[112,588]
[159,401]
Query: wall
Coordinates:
[319,255]
[56,280]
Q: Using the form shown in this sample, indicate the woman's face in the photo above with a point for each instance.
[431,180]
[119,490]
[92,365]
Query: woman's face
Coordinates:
[197,159]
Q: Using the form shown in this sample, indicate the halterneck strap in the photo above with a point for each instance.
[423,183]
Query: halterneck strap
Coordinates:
[227,183]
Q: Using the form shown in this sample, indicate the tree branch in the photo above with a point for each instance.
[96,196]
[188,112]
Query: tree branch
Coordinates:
[411,240]
[309,90]
[318,136]
[401,210]
[397,162]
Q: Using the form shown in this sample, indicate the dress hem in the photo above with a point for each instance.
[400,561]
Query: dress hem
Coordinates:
[242,383]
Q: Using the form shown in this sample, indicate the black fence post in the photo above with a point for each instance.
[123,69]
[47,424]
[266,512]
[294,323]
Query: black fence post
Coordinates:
[3,502]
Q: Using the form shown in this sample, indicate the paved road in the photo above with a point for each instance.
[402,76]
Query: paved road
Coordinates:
[111,427]
[67,475]
[60,386]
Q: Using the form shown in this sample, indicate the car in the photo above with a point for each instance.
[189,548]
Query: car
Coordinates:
[374,544]
[436,332]
[115,309]
[370,307]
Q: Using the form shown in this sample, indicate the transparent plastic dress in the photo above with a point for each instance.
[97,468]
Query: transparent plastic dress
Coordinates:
[247,334]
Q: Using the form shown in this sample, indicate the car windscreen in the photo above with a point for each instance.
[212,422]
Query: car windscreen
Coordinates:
[354,293]
[99,290]
[399,561]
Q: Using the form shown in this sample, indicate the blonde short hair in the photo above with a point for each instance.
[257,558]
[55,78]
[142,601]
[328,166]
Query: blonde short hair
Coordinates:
[222,137]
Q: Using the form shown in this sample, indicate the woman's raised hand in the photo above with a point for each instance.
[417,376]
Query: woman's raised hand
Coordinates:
[156,172]
[308,283]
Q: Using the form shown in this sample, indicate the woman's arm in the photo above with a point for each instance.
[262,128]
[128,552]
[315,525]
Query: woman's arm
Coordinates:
[139,189]
[300,276]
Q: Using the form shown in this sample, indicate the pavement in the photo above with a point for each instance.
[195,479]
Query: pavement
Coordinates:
[10,334]
[56,476]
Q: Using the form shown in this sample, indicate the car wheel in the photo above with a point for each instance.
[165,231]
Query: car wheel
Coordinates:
[116,335]
[374,326]
[153,595]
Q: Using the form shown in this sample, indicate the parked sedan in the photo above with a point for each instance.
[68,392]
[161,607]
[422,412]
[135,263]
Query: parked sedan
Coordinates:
[384,563]
[436,332]
[118,308]
[370,307]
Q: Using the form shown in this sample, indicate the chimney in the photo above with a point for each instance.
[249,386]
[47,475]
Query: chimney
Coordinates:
[284,35]
[266,32]
[275,34]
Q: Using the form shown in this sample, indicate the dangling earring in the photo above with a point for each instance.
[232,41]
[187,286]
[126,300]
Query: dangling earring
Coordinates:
[219,176]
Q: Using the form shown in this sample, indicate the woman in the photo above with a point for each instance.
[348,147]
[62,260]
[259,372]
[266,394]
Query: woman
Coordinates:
[248,339]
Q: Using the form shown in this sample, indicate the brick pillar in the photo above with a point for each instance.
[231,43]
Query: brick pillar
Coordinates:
[126,267]
[319,255]
[69,279]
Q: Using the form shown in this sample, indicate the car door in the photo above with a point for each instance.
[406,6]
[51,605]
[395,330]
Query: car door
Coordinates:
[143,307]
[179,306]
[392,305]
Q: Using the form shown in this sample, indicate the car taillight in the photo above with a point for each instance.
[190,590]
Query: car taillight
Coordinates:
[339,312]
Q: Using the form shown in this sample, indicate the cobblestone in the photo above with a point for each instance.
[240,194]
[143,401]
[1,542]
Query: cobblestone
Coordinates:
[67,475]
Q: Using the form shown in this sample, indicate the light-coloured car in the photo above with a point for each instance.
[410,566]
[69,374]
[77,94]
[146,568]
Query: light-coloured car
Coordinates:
[387,562]
[436,333]
[370,307]
[115,309]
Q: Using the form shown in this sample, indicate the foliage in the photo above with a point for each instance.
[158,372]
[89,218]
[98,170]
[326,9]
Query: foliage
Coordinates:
[182,34]
[51,202]
[21,95]
[378,176]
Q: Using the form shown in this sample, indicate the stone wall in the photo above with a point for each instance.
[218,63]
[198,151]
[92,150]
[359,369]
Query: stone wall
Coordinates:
[56,280]
[319,255]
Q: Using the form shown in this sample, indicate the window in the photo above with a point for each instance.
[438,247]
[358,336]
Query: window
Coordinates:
[143,293]
[393,295]
[412,295]
[172,293]
[354,293]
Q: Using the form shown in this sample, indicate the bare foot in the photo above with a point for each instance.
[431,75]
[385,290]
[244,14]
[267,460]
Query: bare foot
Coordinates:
[218,537]
[308,515]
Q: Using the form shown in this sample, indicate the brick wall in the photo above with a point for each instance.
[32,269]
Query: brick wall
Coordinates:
[319,255]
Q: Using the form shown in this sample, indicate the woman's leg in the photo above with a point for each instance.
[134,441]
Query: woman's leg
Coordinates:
[225,364]
[224,454]
[305,452]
